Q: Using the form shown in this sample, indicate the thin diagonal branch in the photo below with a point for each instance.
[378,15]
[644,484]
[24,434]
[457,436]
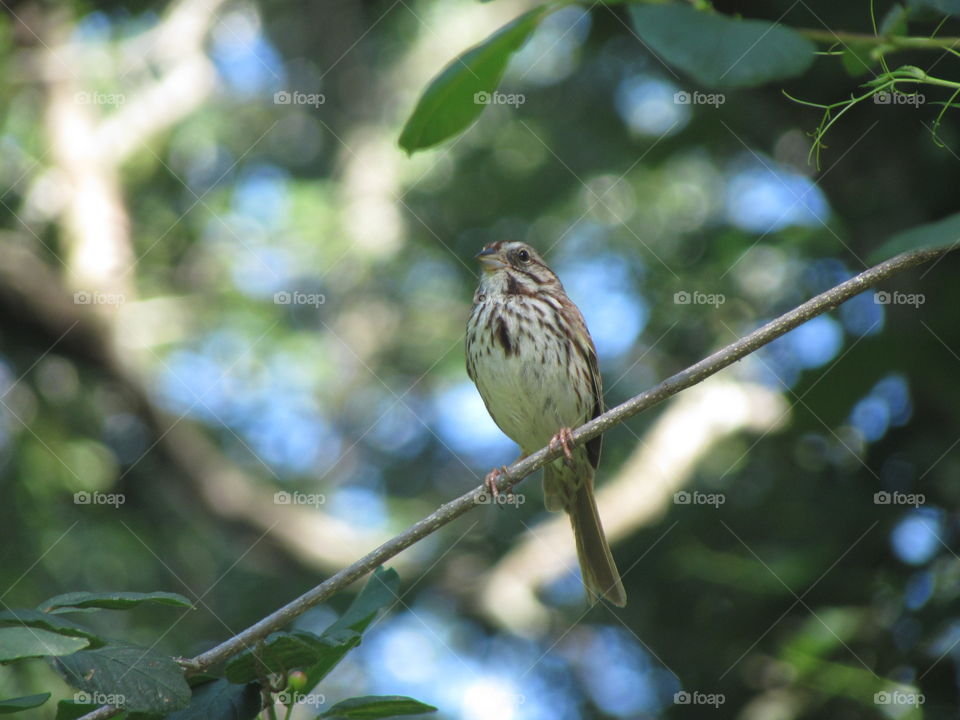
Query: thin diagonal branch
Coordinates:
[450,511]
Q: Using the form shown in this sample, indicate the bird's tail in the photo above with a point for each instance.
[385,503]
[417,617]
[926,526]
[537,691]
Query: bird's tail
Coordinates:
[600,575]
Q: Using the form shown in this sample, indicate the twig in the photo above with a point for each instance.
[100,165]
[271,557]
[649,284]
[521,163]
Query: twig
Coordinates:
[519,470]
[894,41]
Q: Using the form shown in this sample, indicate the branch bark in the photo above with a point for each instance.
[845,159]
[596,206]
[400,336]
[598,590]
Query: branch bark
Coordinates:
[450,511]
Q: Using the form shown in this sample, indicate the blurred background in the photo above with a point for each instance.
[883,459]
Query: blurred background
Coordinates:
[231,354]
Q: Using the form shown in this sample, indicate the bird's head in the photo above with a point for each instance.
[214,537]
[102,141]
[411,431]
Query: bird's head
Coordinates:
[512,268]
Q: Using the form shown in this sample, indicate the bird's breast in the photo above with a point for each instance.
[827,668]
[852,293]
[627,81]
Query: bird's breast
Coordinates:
[521,363]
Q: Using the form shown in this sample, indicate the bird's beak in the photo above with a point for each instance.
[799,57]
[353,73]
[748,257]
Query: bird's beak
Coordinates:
[489,259]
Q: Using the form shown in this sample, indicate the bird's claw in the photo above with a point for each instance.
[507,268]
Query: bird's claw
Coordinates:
[490,481]
[563,439]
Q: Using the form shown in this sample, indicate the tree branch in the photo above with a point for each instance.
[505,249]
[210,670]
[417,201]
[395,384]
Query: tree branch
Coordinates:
[519,470]
[900,42]
[641,490]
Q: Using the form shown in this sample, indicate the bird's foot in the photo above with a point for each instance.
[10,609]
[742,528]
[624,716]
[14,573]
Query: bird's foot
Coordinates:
[563,439]
[490,481]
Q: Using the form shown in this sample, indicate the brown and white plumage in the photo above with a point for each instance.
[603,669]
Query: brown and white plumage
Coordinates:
[533,361]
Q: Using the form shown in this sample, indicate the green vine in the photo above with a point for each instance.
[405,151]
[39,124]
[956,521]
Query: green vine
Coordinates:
[884,88]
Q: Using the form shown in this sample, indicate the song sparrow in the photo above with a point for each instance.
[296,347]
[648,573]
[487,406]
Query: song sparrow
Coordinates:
[534,363]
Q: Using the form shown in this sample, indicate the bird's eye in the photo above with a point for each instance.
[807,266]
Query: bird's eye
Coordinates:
[524,256]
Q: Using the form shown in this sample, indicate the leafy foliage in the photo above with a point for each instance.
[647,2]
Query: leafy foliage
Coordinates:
[319,654]
[370,707]
[14,705]
[18,643]
[136,678]
[12,621]
[295,293]
[220,699]
[942,233]
[718,51]
[285,651]
[89,602]
[143,681]
[455,98]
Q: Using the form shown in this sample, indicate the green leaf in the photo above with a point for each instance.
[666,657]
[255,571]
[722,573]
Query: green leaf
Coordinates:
[283,651]
[15,705]
[17,643]
[341,642]
[380,591]
[89,601]
[817,638]
[947,7]
[221,700]
[895,21]
[719,51]
[942,233]
[449,104]
[857,59]
[136,678]
[71,710]
[51,623]
[377,706]
[198,679]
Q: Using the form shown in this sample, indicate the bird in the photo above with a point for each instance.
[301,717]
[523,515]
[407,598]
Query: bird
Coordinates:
[533,361]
